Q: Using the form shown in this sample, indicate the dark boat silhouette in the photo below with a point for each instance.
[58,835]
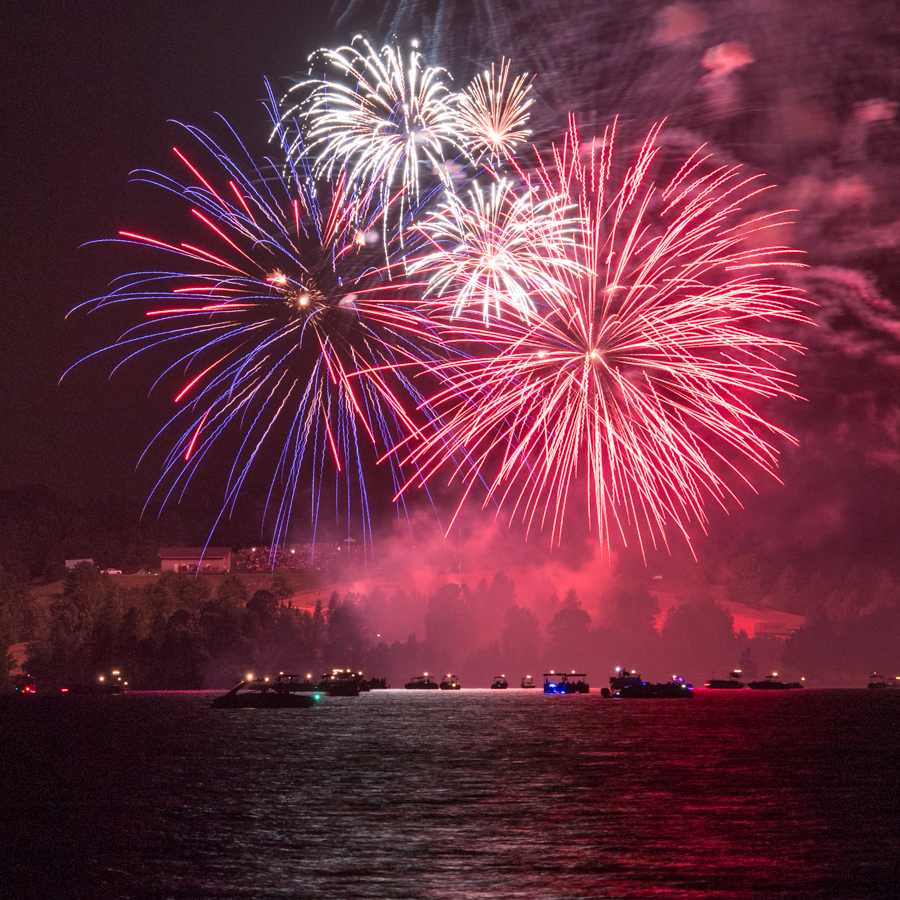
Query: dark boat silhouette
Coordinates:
[108,683]
[336,683]
[500,683]
[771,683]
[731,683]
[264,694]
[450,683]
[342,683]
[22,684]
[422,683]
[879,683]
[528,682]
[629,686]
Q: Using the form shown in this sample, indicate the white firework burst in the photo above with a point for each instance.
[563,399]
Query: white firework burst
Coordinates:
[386,119]
[497,249]
[493,111]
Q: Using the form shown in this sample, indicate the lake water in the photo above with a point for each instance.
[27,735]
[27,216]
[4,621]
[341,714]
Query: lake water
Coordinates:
[468,795]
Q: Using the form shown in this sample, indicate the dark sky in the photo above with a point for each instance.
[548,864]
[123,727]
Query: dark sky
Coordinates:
[805,92]
[88,91]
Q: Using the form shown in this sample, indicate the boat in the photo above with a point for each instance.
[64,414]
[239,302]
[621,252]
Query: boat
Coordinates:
[260,693]
[879,683]
[341,683]
[500,683]
[377,684]
[291,684]
[566,683]
[22,684]
[450,683]
[422,683]
[108,683]
[336,683]
[771,683]
[731,683]
[627,685]
[528,682]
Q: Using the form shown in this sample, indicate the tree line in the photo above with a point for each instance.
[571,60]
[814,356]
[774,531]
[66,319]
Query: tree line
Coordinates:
[185,632]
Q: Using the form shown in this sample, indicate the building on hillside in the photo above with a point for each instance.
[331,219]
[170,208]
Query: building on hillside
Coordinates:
[195,559]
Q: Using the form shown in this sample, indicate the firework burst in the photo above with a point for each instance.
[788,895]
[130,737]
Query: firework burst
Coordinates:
[388,122]
[637,381]
[271,316]
[494,112]
[496,249]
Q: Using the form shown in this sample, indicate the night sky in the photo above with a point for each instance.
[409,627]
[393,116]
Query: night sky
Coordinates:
[88,93]
[89,89]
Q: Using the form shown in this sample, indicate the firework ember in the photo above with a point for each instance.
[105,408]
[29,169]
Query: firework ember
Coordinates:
[636,383]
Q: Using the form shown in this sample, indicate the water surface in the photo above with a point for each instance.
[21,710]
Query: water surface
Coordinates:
[470,794]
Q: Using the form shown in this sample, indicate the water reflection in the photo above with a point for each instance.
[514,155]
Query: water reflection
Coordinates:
[475,794]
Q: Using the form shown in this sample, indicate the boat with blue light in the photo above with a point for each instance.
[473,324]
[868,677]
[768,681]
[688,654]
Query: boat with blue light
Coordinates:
[566,683]
[627,685]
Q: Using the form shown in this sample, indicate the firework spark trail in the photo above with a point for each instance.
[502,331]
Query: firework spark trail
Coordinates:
[440,24]
[391,125]
[274,322]
[637,381]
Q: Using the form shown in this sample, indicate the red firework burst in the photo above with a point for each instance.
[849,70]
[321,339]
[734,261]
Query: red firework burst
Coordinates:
[637,381]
